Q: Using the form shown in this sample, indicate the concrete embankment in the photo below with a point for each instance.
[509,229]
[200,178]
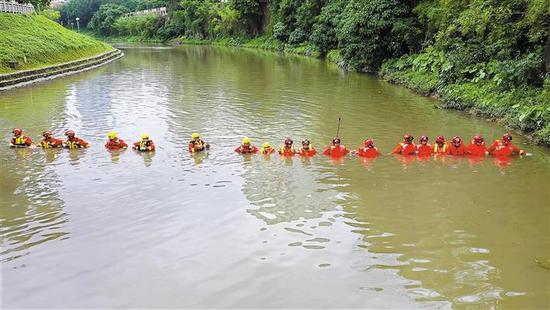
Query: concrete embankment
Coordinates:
[26,77]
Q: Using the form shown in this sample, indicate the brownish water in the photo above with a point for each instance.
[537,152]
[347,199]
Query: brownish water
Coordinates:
[94,229]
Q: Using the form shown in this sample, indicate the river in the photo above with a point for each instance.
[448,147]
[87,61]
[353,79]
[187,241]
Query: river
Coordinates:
[95,229]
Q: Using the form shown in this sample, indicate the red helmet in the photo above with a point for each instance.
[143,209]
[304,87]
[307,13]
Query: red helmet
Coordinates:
[69,133]
[478,139]
[456,140]
[336,140]
[368,143]
[440,139]
[46,134]
[306,142]
[423,138]
[17,131]
[288,142]
[507,137]
[408,137]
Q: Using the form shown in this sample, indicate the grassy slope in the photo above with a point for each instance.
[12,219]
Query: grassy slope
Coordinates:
[43,41]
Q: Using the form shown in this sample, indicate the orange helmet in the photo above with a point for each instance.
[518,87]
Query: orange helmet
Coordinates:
[478,139]
[46,134]
[70,133]
[457,140]
[288,142]
[17,131]
[368,143]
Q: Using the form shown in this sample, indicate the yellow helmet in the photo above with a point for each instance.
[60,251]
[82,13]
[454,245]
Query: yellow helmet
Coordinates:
[246,140]
[195,135]
[111,135]
[144,136]
[265,145]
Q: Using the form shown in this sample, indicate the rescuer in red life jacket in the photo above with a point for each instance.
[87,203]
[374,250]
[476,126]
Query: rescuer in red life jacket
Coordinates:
[114,142]
[197,144]
[307,149]
[504,147]
[441,146]
[267,149]
[407,147]
[424,149]
[368,149]
[335,149]
[288,148]
[145,145]
[246,147]
[74,142]
[50,142]
[476,146]
[457,147]
[19,140]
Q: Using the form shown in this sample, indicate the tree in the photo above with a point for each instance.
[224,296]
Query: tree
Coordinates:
[104,19]
[253,13]
[372,31]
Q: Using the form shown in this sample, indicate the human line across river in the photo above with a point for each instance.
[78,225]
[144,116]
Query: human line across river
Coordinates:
[477,147]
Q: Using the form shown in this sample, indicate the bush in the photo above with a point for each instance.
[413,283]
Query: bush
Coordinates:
[104,19]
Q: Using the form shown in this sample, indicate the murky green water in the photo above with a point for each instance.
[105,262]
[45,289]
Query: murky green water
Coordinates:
[94,229]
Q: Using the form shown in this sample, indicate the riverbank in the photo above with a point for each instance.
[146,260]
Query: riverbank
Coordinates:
[32,42]
[22,78]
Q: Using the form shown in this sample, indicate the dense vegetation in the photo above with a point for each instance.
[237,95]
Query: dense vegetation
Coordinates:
[488,56]
[35,41]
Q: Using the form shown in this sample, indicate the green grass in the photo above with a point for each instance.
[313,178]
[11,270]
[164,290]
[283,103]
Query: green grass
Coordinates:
[42,42]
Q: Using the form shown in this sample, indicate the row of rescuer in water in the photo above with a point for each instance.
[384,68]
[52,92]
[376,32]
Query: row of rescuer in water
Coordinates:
[500,147]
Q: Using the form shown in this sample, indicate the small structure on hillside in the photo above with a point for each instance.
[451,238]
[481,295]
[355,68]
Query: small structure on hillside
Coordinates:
[14,7]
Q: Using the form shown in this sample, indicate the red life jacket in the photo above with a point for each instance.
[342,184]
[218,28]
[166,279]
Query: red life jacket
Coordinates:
[476,150]
[287,151]
[336,151]
[369,152]
[407,149]
[310,152]
[424,150]
[454,150]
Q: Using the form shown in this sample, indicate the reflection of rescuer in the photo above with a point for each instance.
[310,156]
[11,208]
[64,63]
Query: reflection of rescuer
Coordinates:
[246,147]
[145,145]
[504,147]
[19,140]
[50,142]
[197,144]
[407,147]
[73,142]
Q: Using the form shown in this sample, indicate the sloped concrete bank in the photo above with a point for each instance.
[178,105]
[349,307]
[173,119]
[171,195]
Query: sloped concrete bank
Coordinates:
[22,78]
